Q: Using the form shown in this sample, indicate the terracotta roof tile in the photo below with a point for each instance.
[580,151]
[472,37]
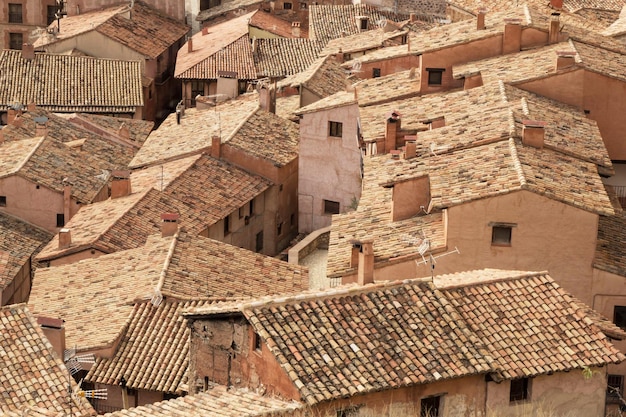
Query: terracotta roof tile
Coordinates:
[568,5]
[611,245]
[65,83]
[225,7]
[280,57]
[279,26]
[323,77]
[161,176]
[31,373]
[364,41]
[138,129]
[217,402]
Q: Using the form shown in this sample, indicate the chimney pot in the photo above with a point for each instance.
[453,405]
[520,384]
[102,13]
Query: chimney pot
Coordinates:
[366,263]
[169,224]
[412,17]
[123,131]
[392,128]
[480,19]
[54,330]
[120,184]
[512,39]
[410,147]
[65,238]
[533,133]
[205,30]
[190,44]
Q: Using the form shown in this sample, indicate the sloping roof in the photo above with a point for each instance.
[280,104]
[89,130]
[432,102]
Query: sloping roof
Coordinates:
[153,353]
[193,134]
[328,21]
[66,83]
[31,373]
[122,223]
[222,47]
[323,77]
[19,241]
[387,333]
[280,26]
[392,87]
[138,129]
[281,57]
[362,41]
[140,28]
[267,136]
[472,6]
[224,8]
[217,402]
[160,177]
[610,253]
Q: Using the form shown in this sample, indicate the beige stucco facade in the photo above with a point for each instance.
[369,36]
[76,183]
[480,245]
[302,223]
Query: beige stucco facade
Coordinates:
[34,15]
[329,167]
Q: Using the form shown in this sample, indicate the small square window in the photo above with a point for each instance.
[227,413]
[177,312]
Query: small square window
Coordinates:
[303,6]
[619,316]
[259,241]
[501,235]
[60,219]
[375,72]
[519,390]
[435,76]
[430,406]
[363,25]
[331,207]
[335,129]
[15,13]
[287,6]
[16,40]
[3,200]
[614,387]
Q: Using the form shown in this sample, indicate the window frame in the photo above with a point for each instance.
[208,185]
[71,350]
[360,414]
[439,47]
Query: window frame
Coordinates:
[435,76]
[375,72]
[335,129]
[329,207]
[287,5]
[429,403]
[619,316]
[60,220]
[520,391]
[615,390]
[15,16]
[12,42]
[502,234]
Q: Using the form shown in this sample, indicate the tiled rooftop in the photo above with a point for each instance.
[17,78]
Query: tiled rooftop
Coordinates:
[138,129]
[193,134]
[31,373]
[323,77]
[224,47]
[65,83]
[19,241]
[226,7]
[611,245]
[161,176]
[140,28]
[217,402]
[363,41]
[281,57]
[279,26]
[392,87]
[436,334]
[568,5]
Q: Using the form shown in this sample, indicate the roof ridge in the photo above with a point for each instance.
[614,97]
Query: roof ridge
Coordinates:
[146,191]
[243,122]
[166,264]
[515,275]
[30,154]
[517,164]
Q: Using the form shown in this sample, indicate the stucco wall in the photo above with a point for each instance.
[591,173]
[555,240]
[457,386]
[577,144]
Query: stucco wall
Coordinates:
[389,66]
[329,167]
[96,44]
[75,257]
[173,8]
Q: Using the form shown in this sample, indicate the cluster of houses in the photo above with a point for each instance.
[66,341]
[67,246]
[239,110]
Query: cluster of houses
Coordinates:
[166,168]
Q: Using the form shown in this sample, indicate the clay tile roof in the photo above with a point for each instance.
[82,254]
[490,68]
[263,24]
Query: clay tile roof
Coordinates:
[225,47]
[328,22]
[363,41]
[280,57]
[472,6]
[123,223]
[138,129]
[31,373]
[531,326]
[217,402]
[268,136]
[226,7]
[275,25]
[324,77]
[140,28]
[160,177]
[384,334]
[193,134]
[339,99]
[157,338]
[611,245]
[19,241]
[66,83]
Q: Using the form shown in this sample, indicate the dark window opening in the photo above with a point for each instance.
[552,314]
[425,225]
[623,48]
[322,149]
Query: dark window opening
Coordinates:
[226,225]
[501,235]
[429,407]
[60,219]
[287,6]
[435,76]
[3,200]
[197,89]
[348,412]
[331,207]
[335,129]
[279,229]
[303,6]
[364,24]
[251,208]
[615,388]
[256,342]
[16,40]
[619,316]
[292,219]
[375,72]
[51,14]
[15,13]
[519,389]
[259,241]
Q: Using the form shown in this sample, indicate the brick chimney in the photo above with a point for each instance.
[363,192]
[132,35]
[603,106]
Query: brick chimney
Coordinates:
[54,330]
[533,133]
[120,184]
[410,198]
[31,106]
[169,224]
[555,28]
[65,238]
[216,147]
[565,59]
[480,19]
[412,17]
[190,44]
[365,274]
[13,114]
[41,126]
[267,98]
[512,39]
[556,4]
[295,29]
[205,30]
[392,127]
[339,56]
[410,147]
[28,51]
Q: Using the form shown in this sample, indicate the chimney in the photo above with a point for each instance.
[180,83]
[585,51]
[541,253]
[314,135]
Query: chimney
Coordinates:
[1,137]
[533,133]
[41,126]
[123,131]
[28,52]
[410,147]
[366,263]
[205,30]
[473,81]
[295,29]
[480,19]
[354,255]
[120,184]
[555,27]
[54,330]
[65,238]
[565,59]
[190,44]
[410,198]
[339,57]
[267,98]
[392,127]
[556,4]
[216,145]
[412,17]
[512,39]
[169,224]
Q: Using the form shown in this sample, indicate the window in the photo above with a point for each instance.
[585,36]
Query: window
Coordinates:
[60,219]
[519,389]
[256,342]
[51,14]
[259,241]
[331,207]
[619,316]
[287,6]
[501,235]
[279,229]
[3,200]
[614,387]
[303,6]
[15,40]
[226,225]
[15,13]
[334,129]
[429,406]
[251,208]
[435,76]
[363,24]
[197,89]
[375,72]
[348,412]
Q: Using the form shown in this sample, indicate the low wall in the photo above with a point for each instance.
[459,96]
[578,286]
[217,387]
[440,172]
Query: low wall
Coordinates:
[317,239]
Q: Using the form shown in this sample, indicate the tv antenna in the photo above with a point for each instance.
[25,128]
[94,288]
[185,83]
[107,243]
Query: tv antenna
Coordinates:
[74,364]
